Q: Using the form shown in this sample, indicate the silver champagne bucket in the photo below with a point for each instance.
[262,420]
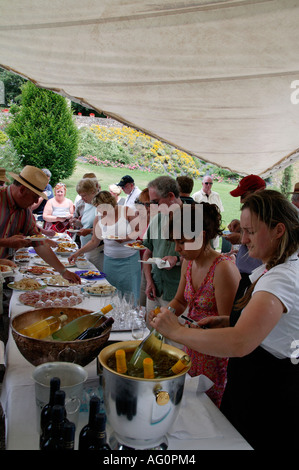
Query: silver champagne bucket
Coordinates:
[140,411]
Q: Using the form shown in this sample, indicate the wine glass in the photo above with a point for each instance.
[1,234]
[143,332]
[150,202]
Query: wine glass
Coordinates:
[65,301]
[138,327]
[57,300]
[73,298]
[49,299]
[39,300]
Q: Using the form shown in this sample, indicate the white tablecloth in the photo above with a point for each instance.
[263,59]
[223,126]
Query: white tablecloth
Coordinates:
[199,425]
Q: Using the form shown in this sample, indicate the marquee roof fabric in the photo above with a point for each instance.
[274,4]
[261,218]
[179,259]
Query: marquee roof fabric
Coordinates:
[217,79]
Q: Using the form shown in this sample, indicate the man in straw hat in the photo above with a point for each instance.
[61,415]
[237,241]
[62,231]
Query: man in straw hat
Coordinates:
[295,196]
[17,220]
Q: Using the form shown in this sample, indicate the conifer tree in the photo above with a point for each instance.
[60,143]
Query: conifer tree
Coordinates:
[43,132]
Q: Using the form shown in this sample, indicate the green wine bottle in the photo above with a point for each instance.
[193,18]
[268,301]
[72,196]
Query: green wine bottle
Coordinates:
[72,330]
[149,347]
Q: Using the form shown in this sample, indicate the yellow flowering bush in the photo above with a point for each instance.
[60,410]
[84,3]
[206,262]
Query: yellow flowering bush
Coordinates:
[145,152]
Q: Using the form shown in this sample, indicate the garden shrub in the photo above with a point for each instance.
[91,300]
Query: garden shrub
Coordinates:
[43,132]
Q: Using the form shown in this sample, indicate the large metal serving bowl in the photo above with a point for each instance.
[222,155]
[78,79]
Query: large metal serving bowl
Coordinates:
[39,351]
[140,411]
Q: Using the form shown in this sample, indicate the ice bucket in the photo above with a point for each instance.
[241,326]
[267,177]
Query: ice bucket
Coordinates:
[140,411]
[72,379]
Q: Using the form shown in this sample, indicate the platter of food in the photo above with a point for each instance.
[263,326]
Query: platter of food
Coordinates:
[38,271]
[63,251]
[135,245]
[6,270]
[30,298]
[88,274]
[41,262]
[99,290]
[58,281]
[27,284]
[22,258]
[36,237]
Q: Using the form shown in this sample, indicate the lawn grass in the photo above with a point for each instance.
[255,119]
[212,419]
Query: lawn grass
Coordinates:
[109,175]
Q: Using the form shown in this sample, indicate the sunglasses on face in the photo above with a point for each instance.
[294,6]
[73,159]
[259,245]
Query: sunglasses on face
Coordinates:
[209,183]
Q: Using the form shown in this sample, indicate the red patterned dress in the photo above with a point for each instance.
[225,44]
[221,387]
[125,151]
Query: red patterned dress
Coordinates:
[202,303]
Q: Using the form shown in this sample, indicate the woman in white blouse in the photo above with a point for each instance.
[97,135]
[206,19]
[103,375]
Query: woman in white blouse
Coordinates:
[261,336]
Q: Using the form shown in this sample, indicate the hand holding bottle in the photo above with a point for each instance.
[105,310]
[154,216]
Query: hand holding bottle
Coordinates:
[166,323]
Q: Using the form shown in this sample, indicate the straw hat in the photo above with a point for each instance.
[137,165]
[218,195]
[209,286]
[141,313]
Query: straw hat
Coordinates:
[3,176]
[296,189]
[33,178]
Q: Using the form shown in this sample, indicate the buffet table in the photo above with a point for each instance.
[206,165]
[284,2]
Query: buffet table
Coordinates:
[199,425]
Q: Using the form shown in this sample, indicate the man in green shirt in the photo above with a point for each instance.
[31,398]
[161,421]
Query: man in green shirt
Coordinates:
[161,284]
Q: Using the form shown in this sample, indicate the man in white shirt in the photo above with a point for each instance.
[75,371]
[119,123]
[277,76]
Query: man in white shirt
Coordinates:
[207,195]
[128,186]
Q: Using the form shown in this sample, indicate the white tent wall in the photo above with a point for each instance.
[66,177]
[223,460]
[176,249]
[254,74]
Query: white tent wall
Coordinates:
[213,78]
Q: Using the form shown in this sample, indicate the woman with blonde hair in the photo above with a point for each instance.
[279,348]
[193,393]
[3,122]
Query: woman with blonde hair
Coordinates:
[58,210]
[121,264]
[87,189]
[261,336]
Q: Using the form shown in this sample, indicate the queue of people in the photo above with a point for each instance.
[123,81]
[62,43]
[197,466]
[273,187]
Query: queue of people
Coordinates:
[245,310]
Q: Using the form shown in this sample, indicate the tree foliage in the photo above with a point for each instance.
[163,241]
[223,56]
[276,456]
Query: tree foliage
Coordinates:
[12,85]
[286,182]
[43,132]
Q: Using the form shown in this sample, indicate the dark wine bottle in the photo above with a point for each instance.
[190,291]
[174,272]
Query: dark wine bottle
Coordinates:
[59,399]
[96,331]
[88,429]
[69,436]
[55,439]
[97,439]
[45,416]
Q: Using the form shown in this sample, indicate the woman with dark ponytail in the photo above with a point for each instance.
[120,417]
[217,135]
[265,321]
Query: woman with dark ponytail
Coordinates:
[208,284]
[262,333]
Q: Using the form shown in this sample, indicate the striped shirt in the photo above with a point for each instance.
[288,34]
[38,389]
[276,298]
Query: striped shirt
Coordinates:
[14,220]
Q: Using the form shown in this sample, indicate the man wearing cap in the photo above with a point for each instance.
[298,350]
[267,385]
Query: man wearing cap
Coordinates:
[295,197]
[17,220]
[245,263]
[128,186]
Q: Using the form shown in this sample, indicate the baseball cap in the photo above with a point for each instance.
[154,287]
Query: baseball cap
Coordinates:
[248,183]
[125,179]
[296,189]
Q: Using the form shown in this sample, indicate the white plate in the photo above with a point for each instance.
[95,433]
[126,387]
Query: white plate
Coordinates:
[41,275]
[99,294]
[65,263]
[11,285]
[22,260]
[65,253]
[135,247]
[72,230]
[153,261]
[36,238]
[51,282]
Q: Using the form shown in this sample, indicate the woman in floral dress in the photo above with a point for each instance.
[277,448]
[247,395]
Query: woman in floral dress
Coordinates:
[208,285]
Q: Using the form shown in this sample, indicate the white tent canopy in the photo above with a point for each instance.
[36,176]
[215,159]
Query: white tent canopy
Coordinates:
[217,79]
